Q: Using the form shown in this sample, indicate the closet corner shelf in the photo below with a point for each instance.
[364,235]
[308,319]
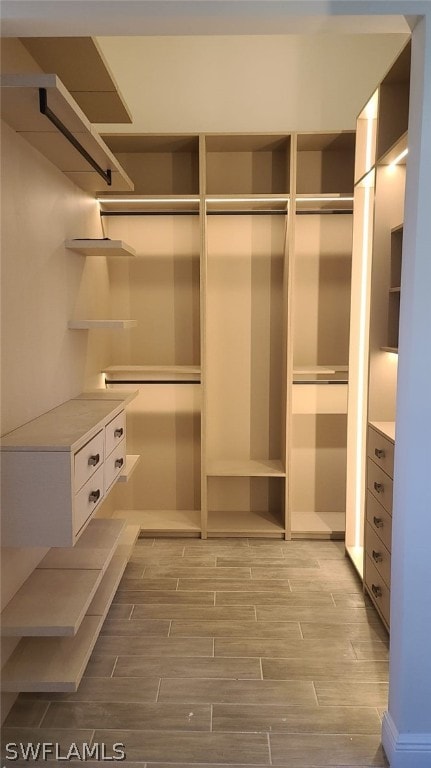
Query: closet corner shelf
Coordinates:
[100,247]
[56,664]
[132,462]
[86,325]
[246,468]
[394,350]
[84,157]
[55,598]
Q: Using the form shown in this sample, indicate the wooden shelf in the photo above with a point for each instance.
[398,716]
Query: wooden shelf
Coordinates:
[163,521]
[51,602]
[93,550]
[394,350]
[80,64]
[246,468]
[248,164]
[86,325]
[151,373]
[132,462]
[318,524]
[20,109]
[45,664]
[244,524]
[325,162]
[154,204]
[100,247]
[386,428]
[55,598]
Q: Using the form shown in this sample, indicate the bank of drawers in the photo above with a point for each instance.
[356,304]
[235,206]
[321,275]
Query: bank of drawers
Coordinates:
[378,527]
[58,468]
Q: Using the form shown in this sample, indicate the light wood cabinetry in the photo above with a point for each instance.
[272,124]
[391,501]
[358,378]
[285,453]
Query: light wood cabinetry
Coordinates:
[378,527]
[377,263]
[218,264]
[57,469]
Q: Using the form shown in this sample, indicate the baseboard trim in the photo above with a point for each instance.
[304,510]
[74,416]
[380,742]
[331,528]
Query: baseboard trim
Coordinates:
[405,750]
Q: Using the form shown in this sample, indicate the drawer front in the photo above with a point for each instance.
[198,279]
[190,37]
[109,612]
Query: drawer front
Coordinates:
[380,485]
[88,499]
[88,460]
[114,463]
[115,432]
[381,451]
[378,553]
[378,590]
[379,520]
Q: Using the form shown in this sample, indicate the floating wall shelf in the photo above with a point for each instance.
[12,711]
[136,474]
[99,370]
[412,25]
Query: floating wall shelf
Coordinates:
[102,247]
[87,325]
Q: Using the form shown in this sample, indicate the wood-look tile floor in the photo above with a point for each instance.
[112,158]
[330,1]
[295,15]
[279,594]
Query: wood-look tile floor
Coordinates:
[243,653]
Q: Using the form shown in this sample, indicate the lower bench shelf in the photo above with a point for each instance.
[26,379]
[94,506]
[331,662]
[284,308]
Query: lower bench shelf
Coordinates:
[42,664]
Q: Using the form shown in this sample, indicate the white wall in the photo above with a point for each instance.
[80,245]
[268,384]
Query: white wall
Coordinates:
[247,83]
[43,363]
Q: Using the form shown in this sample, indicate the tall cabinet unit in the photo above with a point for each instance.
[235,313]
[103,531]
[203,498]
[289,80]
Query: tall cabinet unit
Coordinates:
[240,289]
[378,256]
[162,358]
[320,333]
[247,190]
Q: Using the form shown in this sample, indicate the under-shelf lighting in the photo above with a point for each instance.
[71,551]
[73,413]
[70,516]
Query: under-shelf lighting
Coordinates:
[399,157]
[268,199]
[155,200]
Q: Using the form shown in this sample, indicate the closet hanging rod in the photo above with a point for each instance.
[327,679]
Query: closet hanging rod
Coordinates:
[149,213]
[248,212]
[314,212]
[152,381]
[45,110]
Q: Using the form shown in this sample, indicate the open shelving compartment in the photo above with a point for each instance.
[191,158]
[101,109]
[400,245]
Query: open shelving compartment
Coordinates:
[325,163]
[247,164]
[165,165]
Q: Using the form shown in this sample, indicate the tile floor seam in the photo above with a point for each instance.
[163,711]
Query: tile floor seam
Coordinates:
[333,600]
[315,693]
[114,667]
[131,612]
[44,715]
[269,748]
[158,691]
[261,667]
[300,631]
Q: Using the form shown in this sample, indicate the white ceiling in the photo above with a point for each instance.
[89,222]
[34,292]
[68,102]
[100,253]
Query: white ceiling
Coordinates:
[23,18]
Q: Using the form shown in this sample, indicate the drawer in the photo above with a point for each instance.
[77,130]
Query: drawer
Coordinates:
[379,520]
[115,431]
[377,552]
[88,499]
[88,460]
[381,451]
[380,485]
[114,464]
[378,590]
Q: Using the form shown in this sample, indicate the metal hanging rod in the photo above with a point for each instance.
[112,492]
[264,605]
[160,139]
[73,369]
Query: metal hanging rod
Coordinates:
[149,213]
[45,110]
[152,381]
[249,212]
[324,211]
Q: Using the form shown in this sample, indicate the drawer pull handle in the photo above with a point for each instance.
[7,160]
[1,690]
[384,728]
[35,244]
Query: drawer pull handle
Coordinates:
[93,460]
[119,432]
[119,462]
[378,522]
[94,496]
[377,591]
[379,487]
[377,556]
[379,452]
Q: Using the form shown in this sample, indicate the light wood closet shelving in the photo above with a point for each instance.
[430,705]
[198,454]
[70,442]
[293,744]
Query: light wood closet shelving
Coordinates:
[212,287]
[380,170]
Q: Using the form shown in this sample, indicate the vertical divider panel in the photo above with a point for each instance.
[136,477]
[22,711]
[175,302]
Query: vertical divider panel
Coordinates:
[203,340]
[288,288]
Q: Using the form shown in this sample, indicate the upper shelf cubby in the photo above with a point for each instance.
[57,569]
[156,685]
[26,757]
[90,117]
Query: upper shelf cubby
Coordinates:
[158,164]
[325,162]
[247,164]
[393,110]
[41,109]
